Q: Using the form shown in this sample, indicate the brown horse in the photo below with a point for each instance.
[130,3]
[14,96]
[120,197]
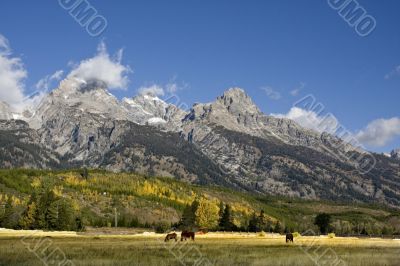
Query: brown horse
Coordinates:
[185,235]
[289,237]
[171,236]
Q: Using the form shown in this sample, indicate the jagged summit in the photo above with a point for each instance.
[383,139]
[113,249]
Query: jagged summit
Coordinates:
[75,87]
[150,104]
[238,102]
[82,123]
[234,91]
[233,107]
[150,109]
[76,97]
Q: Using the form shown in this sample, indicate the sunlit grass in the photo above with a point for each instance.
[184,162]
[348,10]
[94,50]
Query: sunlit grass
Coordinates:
[219,248]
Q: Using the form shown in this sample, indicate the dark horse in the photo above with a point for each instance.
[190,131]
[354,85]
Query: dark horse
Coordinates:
[289,237]
[185,235]
[171,236]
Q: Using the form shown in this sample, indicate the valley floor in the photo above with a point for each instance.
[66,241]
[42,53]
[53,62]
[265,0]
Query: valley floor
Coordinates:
[69,248]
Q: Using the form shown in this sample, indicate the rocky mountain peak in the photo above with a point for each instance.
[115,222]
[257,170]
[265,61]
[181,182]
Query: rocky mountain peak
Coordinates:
[149,109]
[150,104]
[233,106]
[81,123]
[75,97]
[238,102]
[74,88]
[233,110]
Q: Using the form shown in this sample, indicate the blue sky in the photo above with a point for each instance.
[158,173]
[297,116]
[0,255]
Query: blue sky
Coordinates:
[269,48]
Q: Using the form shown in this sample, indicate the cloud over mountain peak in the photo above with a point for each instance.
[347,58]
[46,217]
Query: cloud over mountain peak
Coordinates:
[105,68]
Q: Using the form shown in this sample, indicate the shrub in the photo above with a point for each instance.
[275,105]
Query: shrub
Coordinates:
[262,234]
[331,235]
[296,234]
[162,227]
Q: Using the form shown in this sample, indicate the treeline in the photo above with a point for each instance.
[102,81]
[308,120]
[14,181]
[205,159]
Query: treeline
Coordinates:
[70,200]
[325,224]
[46,209]
[260,223]
[206,214]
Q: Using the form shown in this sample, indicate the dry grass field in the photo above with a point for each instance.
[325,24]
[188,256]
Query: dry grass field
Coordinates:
[69,248]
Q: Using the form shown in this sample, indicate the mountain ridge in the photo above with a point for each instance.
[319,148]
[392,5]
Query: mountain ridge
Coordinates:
[227,142]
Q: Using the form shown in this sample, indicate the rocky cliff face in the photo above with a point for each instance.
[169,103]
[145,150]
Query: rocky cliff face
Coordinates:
[228,142]
[151,110]
[75,97]
[20,147]
[235,111]
[275,155]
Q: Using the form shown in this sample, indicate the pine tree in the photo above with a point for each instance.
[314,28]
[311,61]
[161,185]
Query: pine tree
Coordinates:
[8,211]
[66,217]
[226,222]
[278,227]
[253,223]
[45,200]
[323,221]
[79,224]
[221,211]
[188,217]
[60,216]
[261,221]
[28,218]
[52,216]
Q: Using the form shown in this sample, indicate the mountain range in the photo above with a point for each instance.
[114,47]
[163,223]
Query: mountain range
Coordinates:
[228,142]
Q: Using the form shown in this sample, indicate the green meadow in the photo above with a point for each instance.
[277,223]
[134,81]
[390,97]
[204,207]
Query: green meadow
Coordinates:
[64,248]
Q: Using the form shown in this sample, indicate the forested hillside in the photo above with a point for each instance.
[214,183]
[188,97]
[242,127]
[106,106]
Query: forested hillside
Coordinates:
[71,200]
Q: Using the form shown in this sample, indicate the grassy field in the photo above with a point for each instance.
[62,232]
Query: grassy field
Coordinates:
[61,248]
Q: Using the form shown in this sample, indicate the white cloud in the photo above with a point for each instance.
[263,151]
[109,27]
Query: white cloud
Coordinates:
[57,75]
[393,73]
[309,119]
[12,75]
[4,46]
[271,93]
[154,90]
[45,83]
[379,132]
[169,89]
[103,67]
[297,90]
[173,86]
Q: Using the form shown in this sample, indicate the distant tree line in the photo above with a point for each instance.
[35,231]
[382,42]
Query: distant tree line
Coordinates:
[69,200]
[204,214]
[260,222]
[46,209]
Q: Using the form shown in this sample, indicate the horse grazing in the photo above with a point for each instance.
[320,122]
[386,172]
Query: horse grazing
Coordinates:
[289,237]
[171,236]
[185,235]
